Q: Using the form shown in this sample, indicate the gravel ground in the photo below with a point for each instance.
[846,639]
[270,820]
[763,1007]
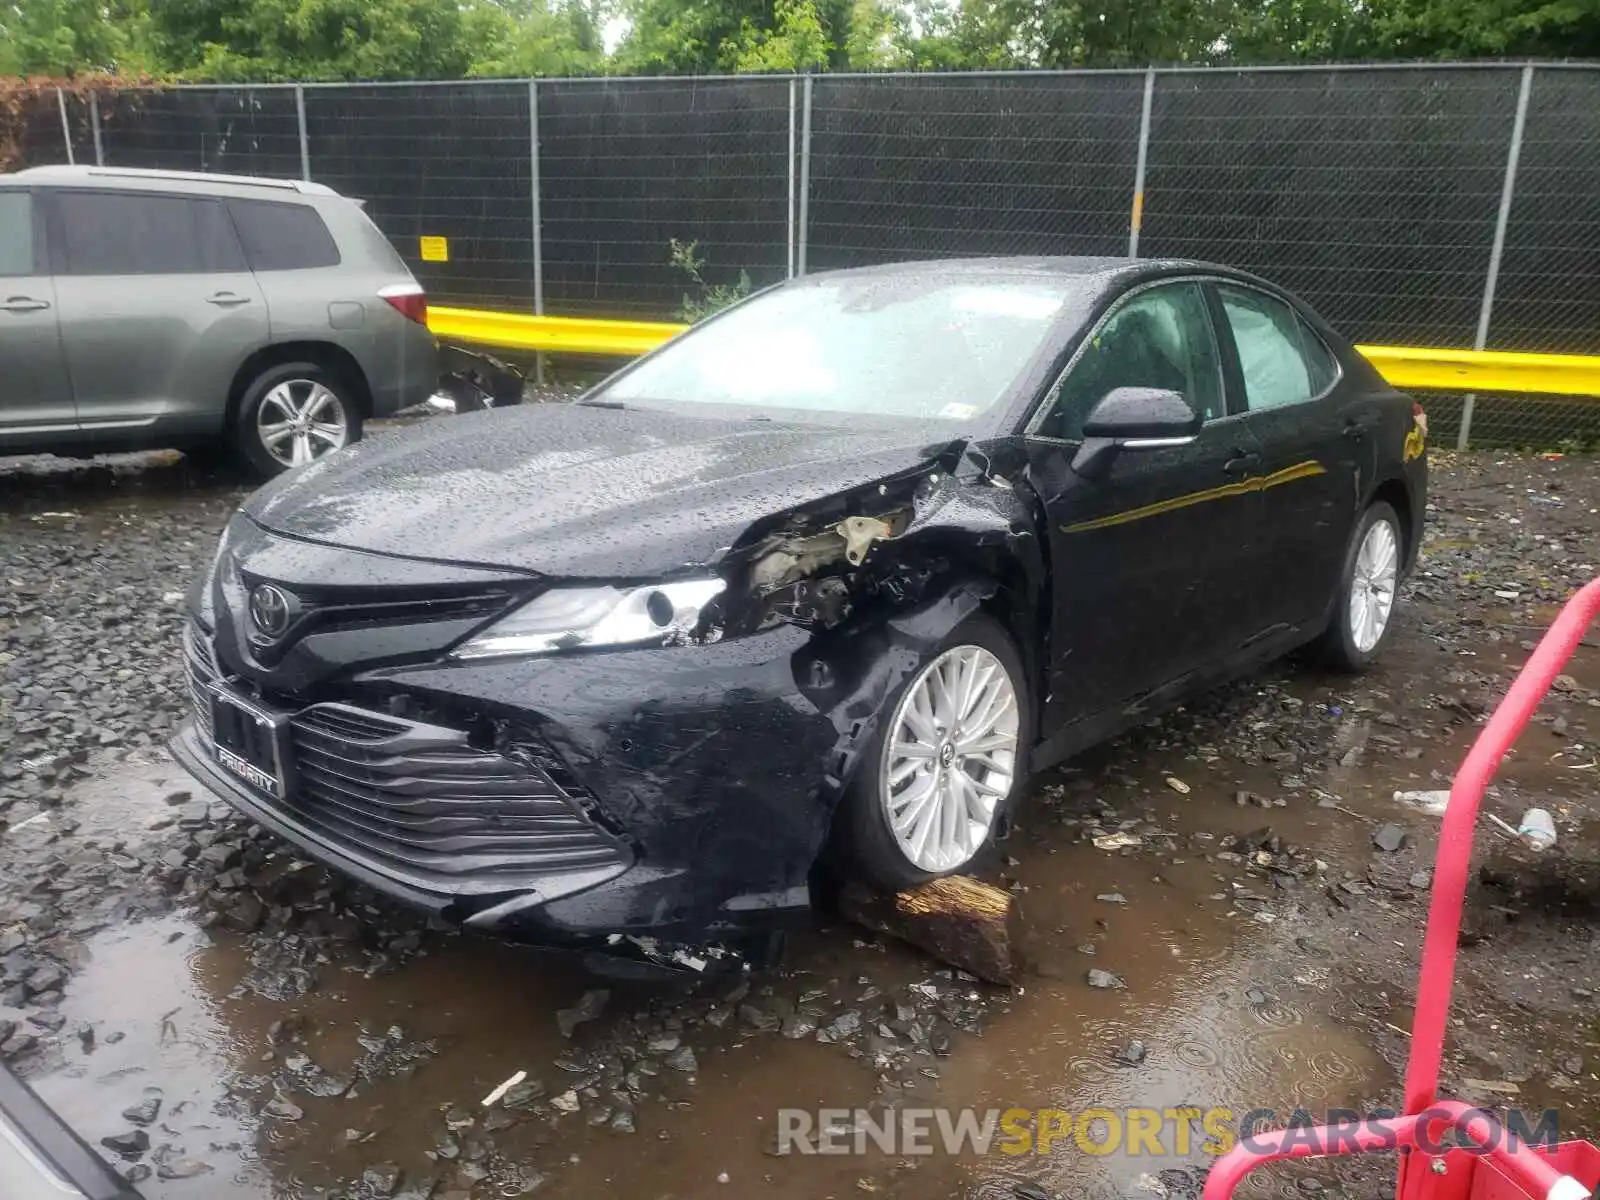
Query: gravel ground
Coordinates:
[1256,927]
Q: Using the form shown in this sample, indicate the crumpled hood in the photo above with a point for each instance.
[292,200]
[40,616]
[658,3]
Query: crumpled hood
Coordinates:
[565,489]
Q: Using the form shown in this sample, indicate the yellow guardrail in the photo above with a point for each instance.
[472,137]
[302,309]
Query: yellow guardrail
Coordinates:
[1487,370]
[1403,366]
[570,335]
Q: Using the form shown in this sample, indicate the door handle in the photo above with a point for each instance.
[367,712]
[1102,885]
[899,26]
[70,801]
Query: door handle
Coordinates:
[1355,428]
[227,299]
[21,304]
[1241,463]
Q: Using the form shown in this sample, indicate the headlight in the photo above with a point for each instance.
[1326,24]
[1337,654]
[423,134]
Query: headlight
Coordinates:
[572,618]
[199,598]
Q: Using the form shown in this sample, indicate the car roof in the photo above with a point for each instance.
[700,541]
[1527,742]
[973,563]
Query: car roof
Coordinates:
[199,182]
[1101,268]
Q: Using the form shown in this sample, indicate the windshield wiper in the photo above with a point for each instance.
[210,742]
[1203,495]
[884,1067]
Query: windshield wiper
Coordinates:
[616,404]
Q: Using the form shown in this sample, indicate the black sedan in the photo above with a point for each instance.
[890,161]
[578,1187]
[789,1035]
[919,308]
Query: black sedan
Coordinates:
[824,578]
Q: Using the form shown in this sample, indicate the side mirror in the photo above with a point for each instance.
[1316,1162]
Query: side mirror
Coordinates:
[1133,418]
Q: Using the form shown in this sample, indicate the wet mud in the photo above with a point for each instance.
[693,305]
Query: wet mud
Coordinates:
[1221,871]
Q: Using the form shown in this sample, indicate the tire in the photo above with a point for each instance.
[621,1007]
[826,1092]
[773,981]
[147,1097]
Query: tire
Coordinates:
[1348,644]
[271,401]
[871,846]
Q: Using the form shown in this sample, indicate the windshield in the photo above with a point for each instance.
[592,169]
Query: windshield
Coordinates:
[876,345]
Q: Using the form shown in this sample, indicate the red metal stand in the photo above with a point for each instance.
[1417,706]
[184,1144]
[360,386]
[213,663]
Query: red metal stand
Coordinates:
[1490,1163]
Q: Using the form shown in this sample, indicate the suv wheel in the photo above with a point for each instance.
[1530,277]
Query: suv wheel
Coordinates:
[294,414]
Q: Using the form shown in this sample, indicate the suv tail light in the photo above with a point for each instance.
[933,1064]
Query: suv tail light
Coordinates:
[407,299]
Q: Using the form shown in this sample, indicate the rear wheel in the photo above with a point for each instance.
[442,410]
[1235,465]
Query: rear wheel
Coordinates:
[294,414]
[1363,610]
[946,761]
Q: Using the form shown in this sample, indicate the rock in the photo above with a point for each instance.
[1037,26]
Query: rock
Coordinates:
[48,977]
[143,1113]
[129,1145]
[1131,1055]
[1421,880]
[523,1095]
[282,1108]
[194,816]
[682,1059]
[663,1043]
[566,1102]
[1112,898]
[381,1180]
[758,1018]
[245,913]
[799,1025]
[845,1025]
[183,1168]
[590,1006]
[1105,979]
[1030,1191]
[1388,838]
[137,1173]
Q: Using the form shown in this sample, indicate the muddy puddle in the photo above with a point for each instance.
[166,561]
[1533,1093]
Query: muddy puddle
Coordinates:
[1216,1008]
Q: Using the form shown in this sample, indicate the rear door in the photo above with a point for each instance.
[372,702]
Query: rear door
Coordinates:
[1317,450]
[1145,562]
[35,391]
[158,308]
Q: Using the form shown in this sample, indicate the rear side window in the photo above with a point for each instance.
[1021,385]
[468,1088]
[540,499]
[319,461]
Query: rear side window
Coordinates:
[137,233]
[283,237]
[16,233]
[1282,360]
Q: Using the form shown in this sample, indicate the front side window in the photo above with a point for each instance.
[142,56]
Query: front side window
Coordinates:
[1159,338]
[135,233]
[872,345]
[16,233]
[1282,361]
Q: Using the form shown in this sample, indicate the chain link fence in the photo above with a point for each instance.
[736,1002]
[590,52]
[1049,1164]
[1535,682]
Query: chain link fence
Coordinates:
[1452,206]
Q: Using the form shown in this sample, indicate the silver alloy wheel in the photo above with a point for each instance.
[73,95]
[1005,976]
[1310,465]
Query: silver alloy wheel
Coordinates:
[950,757]
[300,420]
[1372,584]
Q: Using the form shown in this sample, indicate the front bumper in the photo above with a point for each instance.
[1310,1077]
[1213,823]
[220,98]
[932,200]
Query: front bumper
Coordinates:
[679,794]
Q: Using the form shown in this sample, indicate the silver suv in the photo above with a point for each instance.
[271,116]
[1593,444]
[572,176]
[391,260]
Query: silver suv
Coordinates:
[157,308]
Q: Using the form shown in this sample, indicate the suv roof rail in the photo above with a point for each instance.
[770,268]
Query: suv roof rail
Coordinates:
[87,172]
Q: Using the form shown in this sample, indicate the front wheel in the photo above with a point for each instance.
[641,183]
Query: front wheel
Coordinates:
[944,764]
[1364,607]
[294,414]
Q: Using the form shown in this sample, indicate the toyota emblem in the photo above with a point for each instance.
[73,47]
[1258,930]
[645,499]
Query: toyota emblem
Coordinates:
[271,611]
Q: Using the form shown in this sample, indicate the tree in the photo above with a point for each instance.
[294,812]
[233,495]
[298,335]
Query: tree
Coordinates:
[527,38]
[69,37]
[1486,28]
[797,44]
[272,40]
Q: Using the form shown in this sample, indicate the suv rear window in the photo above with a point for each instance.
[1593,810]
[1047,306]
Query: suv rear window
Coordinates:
[141,233]
[16,233]
[283,237]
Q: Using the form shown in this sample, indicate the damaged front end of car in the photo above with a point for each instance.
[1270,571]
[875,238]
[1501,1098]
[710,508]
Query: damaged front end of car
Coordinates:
[659,761]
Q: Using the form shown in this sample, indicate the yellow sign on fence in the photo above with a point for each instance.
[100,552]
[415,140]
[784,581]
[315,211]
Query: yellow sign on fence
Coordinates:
[435,249]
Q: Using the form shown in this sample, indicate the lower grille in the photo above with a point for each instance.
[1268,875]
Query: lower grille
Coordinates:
[201,668]
[420,797]
[416,800]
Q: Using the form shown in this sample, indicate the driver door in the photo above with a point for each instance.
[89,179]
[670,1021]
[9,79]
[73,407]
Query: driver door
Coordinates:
[1148,563]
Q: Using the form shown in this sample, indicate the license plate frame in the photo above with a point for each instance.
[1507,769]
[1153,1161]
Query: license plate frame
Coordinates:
[250,742]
